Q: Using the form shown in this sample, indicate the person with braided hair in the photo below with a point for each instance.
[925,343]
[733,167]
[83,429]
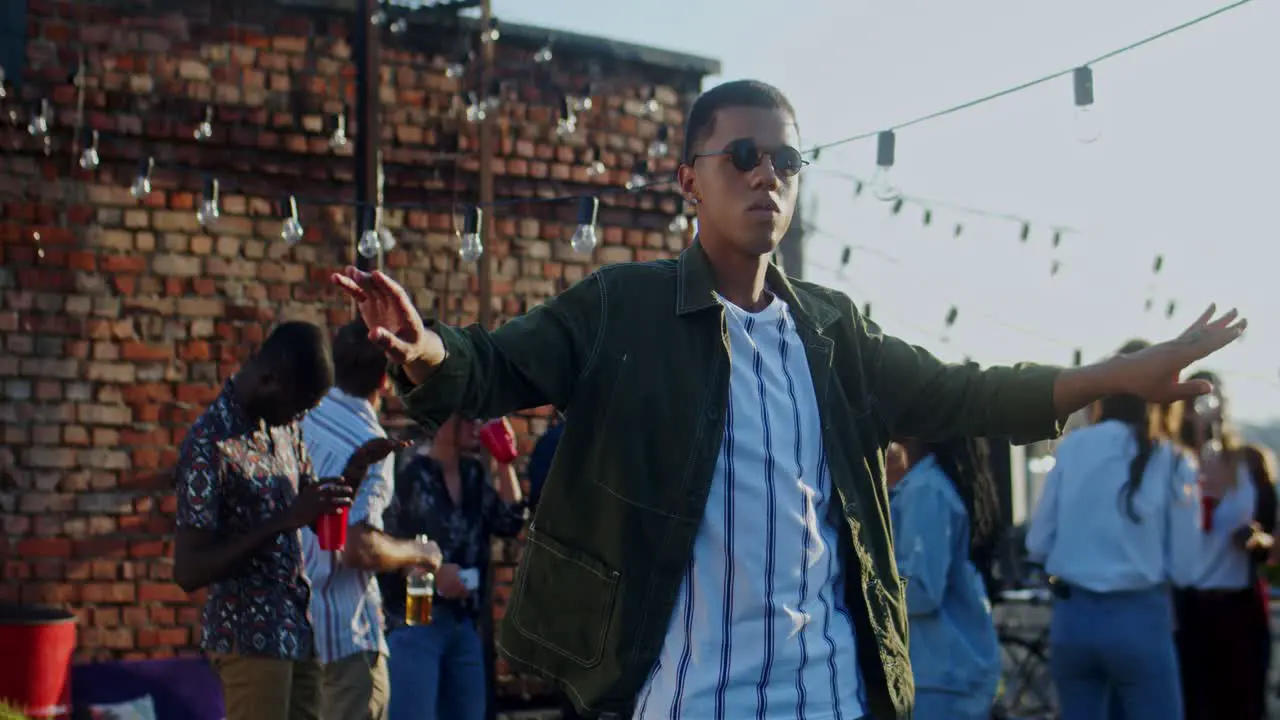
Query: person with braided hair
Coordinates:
[946,518]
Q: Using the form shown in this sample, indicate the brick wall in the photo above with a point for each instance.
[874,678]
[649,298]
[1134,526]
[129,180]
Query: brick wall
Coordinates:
[119,319]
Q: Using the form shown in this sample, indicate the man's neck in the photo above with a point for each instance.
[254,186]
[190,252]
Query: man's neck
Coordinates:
[739,277]
[242,389]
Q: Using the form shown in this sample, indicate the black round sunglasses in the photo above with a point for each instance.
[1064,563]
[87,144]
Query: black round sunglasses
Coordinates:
[746,156]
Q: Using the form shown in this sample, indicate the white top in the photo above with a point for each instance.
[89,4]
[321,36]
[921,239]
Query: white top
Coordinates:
[346,605]
[760,629]
[1223,564]
[1082,531]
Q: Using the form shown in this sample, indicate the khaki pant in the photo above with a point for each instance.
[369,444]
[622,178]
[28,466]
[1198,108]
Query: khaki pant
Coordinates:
[260,688]
[355,688]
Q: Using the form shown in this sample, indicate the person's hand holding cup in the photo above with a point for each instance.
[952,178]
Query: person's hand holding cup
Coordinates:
[499,438]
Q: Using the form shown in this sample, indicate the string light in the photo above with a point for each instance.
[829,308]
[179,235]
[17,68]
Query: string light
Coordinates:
[369,243]
[679,224]
[458,68]
[597,166]
[472,246]
[639,174]
[1088,129]
[338,131]
[582,102]
[208,212]
[544,54]
[39,125]
[882,182]
[651,104]
[475,110]
[204,130]
[658,148]
[492,34]
[142,181]
[89,159]
[291,230]
[584,238]
[568,122]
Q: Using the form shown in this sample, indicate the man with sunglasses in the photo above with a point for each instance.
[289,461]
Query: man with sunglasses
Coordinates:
[713,540]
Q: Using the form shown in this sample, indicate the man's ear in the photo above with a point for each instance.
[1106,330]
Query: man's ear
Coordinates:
[688,180]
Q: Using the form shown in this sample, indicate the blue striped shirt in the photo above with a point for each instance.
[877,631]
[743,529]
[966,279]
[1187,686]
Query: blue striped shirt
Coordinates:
[760,629]
[346,606]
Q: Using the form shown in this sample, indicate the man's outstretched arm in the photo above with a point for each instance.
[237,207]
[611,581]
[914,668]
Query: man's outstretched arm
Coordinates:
[917,395]
[532,360]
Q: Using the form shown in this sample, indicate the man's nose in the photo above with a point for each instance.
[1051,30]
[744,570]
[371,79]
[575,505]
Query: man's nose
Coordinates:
[765,176]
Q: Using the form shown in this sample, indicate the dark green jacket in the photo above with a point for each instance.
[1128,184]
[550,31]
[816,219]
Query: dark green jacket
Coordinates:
[637,354]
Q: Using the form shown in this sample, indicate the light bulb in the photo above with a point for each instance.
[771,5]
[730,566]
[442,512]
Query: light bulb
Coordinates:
[882,185]
[141,187]
[597,168]
[584,239]
[455,70]
[204,130]
[653,107]
[582,104]
[386,239]
[1206,405]
[679,224]
[39,125]
[89,159]
[1088,127]
[291,231]
[567,126]
[399,26]
[207,214]
[472,247]
[544,55]
[369,244]
[475,109]
[338,139]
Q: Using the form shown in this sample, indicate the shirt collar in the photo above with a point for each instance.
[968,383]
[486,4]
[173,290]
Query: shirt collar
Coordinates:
[358,405]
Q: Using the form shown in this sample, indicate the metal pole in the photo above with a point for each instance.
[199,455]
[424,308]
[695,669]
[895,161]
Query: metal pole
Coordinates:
[485,266]
[484,269]
[368,75]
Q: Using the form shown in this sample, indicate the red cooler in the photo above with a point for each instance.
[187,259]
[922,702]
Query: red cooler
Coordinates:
[35,663]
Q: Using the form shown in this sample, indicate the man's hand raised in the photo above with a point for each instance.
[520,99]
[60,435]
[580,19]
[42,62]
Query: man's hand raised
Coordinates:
[1154,373]
[394,323]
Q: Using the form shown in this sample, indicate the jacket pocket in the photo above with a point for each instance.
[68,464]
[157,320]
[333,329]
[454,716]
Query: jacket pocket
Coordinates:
[564,599]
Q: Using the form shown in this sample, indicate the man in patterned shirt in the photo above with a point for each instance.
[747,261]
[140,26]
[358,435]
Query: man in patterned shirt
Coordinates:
[244,488]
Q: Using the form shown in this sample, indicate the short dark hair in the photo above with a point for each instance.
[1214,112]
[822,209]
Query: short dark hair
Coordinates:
[701,121]
[359,366]
[298,352]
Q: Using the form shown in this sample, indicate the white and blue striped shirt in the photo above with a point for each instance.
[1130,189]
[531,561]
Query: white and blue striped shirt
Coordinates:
[760,629]
[346,606]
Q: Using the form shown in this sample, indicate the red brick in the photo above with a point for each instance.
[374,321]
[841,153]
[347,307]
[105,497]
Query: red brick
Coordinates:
[45,547]
[162,592]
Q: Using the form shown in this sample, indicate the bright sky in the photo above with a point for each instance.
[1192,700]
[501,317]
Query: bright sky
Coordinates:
[1186,162]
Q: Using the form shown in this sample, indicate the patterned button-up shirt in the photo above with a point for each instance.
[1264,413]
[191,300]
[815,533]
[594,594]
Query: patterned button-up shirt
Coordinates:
[233,474]
[422,506]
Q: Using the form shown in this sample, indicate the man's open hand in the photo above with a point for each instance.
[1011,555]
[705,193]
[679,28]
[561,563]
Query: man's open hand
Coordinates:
[366,456]
[394,323]
[1154,373]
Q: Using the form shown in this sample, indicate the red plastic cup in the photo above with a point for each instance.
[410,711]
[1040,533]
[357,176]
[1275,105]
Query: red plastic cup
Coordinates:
[500,443]
[331,528]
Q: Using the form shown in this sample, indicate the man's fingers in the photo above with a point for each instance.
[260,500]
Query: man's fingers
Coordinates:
[1203,319]
[349,286]
[394,291]
[396,350]
[1226,319]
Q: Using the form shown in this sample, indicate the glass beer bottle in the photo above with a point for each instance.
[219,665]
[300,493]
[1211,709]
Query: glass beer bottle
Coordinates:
[420,588]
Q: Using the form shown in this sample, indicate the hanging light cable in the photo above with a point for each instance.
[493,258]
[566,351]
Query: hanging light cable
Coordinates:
[208,212]
[291,230]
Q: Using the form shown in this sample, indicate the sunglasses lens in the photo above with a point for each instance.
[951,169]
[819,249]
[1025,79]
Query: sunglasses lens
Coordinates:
[787,161]
[744,155]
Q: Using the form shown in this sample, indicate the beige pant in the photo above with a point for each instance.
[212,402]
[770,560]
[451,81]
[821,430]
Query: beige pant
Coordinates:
[259,688]
[355,688]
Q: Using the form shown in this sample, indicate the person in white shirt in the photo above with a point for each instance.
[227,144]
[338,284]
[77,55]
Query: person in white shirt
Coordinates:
[1111,529]
[1224,638]
[346,606]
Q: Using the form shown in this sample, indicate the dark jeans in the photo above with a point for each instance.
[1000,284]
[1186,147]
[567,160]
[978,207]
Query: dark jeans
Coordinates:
[1224,644]
[437,670]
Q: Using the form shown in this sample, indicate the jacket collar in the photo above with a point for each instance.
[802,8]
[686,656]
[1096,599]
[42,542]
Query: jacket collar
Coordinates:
[695,290]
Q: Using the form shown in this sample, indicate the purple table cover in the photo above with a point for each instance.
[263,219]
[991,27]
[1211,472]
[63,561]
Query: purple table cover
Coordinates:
[181,688]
